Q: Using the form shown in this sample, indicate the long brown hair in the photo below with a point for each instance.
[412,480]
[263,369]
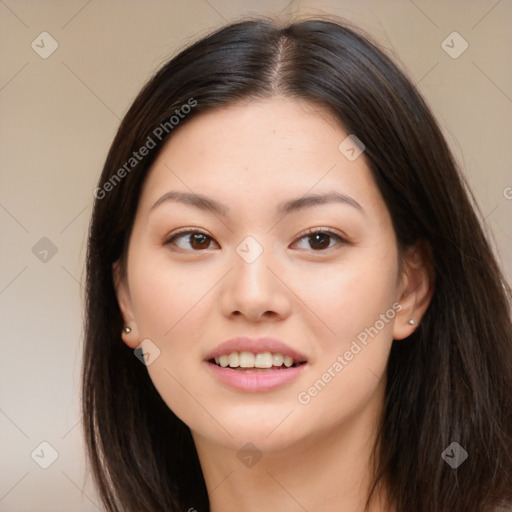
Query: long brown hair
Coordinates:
[450,381]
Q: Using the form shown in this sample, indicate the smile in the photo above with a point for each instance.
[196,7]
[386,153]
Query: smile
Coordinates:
[262,360]
[254,364]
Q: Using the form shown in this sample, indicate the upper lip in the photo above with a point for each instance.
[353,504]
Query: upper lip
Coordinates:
[256,346]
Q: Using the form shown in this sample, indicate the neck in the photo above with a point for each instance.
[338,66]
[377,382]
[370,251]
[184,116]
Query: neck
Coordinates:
[330,472]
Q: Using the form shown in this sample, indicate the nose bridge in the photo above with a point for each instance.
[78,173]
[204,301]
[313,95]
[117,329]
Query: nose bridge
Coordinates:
[250,262]
[253,289]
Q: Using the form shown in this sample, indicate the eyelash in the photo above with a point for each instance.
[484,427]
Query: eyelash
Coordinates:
[306,234]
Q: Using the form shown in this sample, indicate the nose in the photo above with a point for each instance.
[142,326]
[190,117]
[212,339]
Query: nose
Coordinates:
[256,290]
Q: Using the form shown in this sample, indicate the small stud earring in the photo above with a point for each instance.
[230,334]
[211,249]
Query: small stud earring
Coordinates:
[127,330]
[411,322]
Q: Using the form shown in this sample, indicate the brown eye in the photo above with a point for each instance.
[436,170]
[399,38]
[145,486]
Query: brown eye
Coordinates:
[320,240]
[195,240]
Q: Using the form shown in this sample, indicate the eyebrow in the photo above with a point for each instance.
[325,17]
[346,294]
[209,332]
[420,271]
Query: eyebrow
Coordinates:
[206,203]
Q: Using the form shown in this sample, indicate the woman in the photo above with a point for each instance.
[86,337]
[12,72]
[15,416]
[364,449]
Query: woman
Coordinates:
[282,239]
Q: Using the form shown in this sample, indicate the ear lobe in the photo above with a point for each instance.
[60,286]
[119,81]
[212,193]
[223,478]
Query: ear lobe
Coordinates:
[416,289]
[130,336]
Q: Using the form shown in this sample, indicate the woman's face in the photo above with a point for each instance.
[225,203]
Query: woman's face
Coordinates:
[267,261]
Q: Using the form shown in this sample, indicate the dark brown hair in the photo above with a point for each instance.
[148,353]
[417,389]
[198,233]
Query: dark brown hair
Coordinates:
[450,381]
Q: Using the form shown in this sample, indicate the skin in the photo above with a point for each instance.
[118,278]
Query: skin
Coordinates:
[315,296]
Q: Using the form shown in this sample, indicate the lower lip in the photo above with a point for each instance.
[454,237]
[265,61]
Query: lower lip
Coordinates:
[255,381]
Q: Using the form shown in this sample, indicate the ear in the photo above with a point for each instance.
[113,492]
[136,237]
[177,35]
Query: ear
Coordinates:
[132,339]
[415,290]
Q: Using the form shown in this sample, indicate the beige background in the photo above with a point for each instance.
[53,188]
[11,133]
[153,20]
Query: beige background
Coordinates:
[58,117]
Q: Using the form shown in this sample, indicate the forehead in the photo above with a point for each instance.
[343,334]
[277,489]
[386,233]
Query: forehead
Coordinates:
[259,152]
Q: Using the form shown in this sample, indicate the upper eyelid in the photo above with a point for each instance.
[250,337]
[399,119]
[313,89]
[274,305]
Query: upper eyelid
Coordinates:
[329,231]
[186,231]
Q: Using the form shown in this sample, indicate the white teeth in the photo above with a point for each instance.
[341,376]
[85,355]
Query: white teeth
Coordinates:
[234,360]
[247,360]
[263,360]
[250,360]
[277,359]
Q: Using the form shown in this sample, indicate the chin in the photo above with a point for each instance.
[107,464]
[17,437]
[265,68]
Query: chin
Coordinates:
[269,427]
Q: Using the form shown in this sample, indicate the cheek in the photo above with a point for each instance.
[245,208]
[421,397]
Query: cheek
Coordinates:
[171,308]
[358,305]
[350,296]
[165,295]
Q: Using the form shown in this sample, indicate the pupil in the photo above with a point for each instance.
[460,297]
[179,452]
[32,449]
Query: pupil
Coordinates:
[198,237]
[323,236]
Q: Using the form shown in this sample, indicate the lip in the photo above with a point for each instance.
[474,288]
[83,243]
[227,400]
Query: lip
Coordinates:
[256,346]
[255,381]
